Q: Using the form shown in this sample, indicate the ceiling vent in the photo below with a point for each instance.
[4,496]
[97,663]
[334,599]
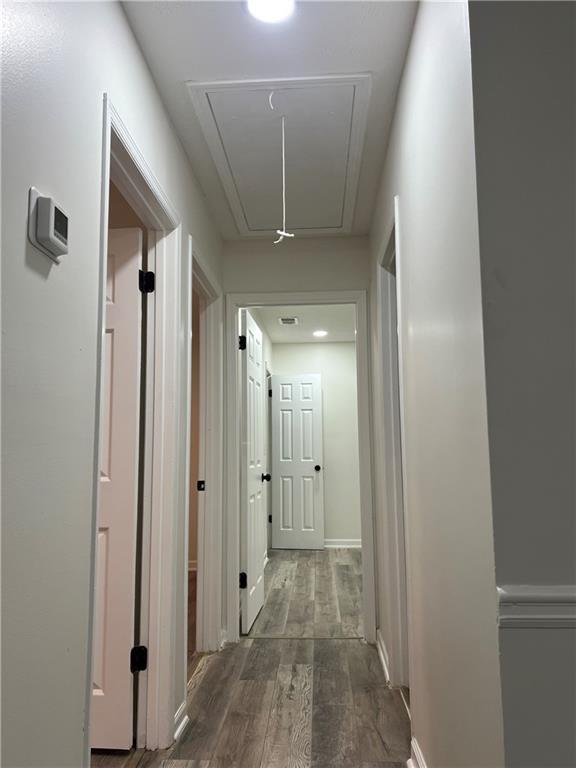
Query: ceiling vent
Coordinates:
[288,320]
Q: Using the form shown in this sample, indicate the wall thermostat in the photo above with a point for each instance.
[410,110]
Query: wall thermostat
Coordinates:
[47,225]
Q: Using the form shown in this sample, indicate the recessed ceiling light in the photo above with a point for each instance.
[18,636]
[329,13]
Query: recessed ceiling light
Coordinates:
[320,334]
[271,11]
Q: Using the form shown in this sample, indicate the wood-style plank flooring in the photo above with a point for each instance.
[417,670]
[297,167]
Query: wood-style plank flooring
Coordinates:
[312,594]
[303,703]
[192,589]
[291,702]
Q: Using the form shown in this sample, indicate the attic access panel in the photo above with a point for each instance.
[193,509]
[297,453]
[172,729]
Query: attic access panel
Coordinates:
[325,126]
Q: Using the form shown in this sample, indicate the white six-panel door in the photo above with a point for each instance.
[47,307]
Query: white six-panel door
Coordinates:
[112,695]
[297,472]
[253,529]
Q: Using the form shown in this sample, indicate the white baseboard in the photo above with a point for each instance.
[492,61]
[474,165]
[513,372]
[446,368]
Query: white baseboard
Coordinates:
[342,543]
[192,565]
[417,759]
[181,720]
[383,654]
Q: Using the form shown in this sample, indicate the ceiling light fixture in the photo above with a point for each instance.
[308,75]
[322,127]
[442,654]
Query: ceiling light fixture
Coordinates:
[271,11]
[320,334]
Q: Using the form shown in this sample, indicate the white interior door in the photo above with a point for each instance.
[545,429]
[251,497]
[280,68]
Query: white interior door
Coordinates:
[112,699]
[297,451]
[253,545]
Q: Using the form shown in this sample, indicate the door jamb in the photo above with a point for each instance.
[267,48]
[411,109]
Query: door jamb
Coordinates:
[396,518]
[235,302]
[210,522]
[123,163]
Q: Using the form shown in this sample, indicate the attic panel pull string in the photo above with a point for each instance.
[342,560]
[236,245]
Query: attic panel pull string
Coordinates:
[282,232]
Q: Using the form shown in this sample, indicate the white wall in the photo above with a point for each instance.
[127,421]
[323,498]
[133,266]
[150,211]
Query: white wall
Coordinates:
[336,363]
[454,669]
[302,264]
[58,60]
[524,79]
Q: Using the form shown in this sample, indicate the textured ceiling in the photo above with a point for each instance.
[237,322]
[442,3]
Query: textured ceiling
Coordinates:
[219,40]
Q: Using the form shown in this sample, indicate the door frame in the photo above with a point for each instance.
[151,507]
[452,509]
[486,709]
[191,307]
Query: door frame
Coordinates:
[395,543]
[124,164]
[210,518]
[235,302]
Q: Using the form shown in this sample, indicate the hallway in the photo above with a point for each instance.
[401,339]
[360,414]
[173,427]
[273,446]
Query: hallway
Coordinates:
[307,703]
[271,703]
[303,690]
[313,594]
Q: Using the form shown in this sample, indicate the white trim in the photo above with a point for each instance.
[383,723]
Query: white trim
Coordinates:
[159,731]
[417,758]
[128,169]
[124,164]
[102,269]
[146,522]
[210,514]
[234,302]
[192,565]
[181,720]
[362,84]
[406,592]
[393,535]
[383,654]
[343,543]
[523,606]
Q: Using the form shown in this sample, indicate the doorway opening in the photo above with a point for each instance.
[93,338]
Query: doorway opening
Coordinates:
[130,685]
[304,490]
[391,427]
[118,550]
[308,474]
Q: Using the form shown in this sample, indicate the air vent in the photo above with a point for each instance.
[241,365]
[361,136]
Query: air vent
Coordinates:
[288,320]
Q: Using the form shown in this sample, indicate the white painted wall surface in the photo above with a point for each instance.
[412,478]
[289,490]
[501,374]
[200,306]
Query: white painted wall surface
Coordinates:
[524,95]
[524,79]
[302,264]
[58,59]
[454,670]
[336,363]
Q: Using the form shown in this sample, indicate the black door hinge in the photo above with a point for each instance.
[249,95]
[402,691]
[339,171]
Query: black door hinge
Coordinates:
[269,518]
[138,658]
[242,342]
[269,393]
[201,485]
[146,281]
[243,580]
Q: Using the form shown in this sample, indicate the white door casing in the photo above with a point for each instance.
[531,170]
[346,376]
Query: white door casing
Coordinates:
[253,534]
[297,462]
[112,687]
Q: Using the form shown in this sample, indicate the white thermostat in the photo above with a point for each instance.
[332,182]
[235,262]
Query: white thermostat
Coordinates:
[47,225]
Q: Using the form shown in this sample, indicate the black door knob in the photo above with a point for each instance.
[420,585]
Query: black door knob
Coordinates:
[317,468]
[266,477]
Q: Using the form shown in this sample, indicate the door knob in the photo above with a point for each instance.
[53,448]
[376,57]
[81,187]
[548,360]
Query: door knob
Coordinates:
[266,477]
[317,468]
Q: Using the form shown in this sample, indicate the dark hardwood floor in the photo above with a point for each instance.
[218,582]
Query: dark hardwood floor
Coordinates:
[192,586]
[290,701]
[275,703]
[312,594]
